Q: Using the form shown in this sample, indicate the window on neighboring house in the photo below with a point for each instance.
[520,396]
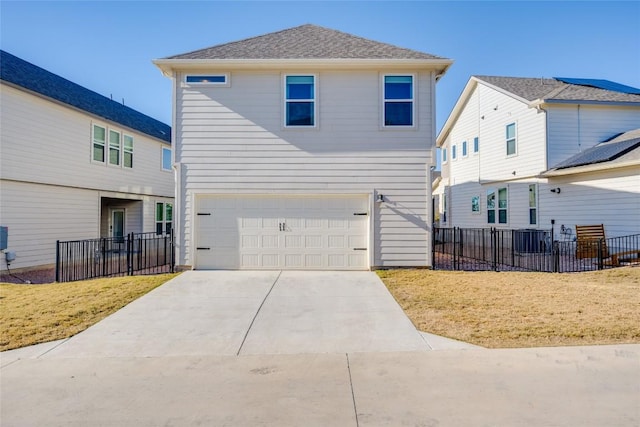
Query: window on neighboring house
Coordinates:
[464,149]
[99,140]
[398,100]
[114,148]
[453,152]
[475,204]
[498,210]
[166,159]
[164,218]
[476,145]
[211,79]
[511,139]
[444,205]
[533,204]
[444,155]
[300,101]
[127,152]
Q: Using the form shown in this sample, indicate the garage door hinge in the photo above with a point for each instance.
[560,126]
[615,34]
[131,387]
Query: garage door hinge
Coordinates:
[359,249]
[204,213]
[361,213]
[202,248]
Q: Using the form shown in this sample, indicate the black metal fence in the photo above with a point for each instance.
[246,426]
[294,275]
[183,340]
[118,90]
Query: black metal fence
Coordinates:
[135,253]
[527,250]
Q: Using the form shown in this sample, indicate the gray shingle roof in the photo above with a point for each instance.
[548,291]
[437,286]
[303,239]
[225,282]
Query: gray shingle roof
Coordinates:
[31,77]
[533,89]
[305,42]
[605,151]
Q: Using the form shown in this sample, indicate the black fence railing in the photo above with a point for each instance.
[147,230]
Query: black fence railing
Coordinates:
[528,250]
[135,253]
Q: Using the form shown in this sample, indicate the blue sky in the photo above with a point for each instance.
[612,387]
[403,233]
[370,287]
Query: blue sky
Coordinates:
[108,46]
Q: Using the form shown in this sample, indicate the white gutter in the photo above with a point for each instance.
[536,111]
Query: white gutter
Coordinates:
[589,168]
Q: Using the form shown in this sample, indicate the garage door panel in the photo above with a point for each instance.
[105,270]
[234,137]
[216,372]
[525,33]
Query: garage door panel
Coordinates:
[254,232]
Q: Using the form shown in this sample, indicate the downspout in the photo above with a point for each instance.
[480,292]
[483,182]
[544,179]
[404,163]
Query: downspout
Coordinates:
[177,170]
[579,131]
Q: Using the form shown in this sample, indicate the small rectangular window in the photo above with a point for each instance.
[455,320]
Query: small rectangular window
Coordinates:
[214,79]
[533,204]
[300,105]
[502,206]
[398,100]
[99,141]
[166,159]
[444,155]
[114,148]
[476,145]
[491,206]
[475,204]
[464,149]
[511,139]
[453,152]
[127,154]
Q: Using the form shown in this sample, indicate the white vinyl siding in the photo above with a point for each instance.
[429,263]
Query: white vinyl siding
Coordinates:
[56,194]
[573,129]
[231,142]
[31,122]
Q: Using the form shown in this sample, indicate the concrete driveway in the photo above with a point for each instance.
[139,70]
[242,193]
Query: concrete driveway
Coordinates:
[290,348]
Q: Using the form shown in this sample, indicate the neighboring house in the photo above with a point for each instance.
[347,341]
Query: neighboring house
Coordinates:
[75,165]
[521,152]
[284,144]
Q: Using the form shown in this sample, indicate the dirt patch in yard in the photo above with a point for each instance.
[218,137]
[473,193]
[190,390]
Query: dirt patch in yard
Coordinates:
[510,309]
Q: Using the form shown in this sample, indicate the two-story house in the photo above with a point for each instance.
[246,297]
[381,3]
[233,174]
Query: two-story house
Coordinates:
[75,165]
[306,148]
[521,152]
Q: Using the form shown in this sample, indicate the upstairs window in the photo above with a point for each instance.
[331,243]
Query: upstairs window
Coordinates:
[476,145]
[454,153]
[114,148]
[511,139]
[99,141]
[398,100]
[166,159]
[300,101]
[127,154]
[464,149]
[210,79]
[444,155]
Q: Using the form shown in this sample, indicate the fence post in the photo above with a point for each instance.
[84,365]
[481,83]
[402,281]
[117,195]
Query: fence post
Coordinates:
[555,253]
[455,247]
[600,254]
[494,248]
[57,260]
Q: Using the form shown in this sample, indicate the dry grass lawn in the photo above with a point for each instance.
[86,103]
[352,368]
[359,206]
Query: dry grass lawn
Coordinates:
[505,309]
[32,314]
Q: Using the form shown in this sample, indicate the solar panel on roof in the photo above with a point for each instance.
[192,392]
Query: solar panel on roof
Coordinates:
[600,153]
[600,84]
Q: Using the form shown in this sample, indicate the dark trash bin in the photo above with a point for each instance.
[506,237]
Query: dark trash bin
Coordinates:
[529,241]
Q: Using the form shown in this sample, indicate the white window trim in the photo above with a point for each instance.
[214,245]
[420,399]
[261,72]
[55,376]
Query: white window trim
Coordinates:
[515,153]
[108,159]
[170,161]
[414,101]
[479,211]
[316,119]
[124,150]
[104,145]
[227,79]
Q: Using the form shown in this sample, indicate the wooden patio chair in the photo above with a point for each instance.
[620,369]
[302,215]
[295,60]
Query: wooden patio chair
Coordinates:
[587,237]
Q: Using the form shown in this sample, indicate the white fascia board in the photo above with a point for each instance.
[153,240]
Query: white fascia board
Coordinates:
[540,103]
[167,66]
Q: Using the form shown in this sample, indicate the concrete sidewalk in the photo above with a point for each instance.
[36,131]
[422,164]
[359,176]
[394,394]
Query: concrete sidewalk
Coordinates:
[302,348]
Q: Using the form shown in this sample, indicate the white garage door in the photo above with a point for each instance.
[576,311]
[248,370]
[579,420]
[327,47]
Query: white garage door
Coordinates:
[255,232]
